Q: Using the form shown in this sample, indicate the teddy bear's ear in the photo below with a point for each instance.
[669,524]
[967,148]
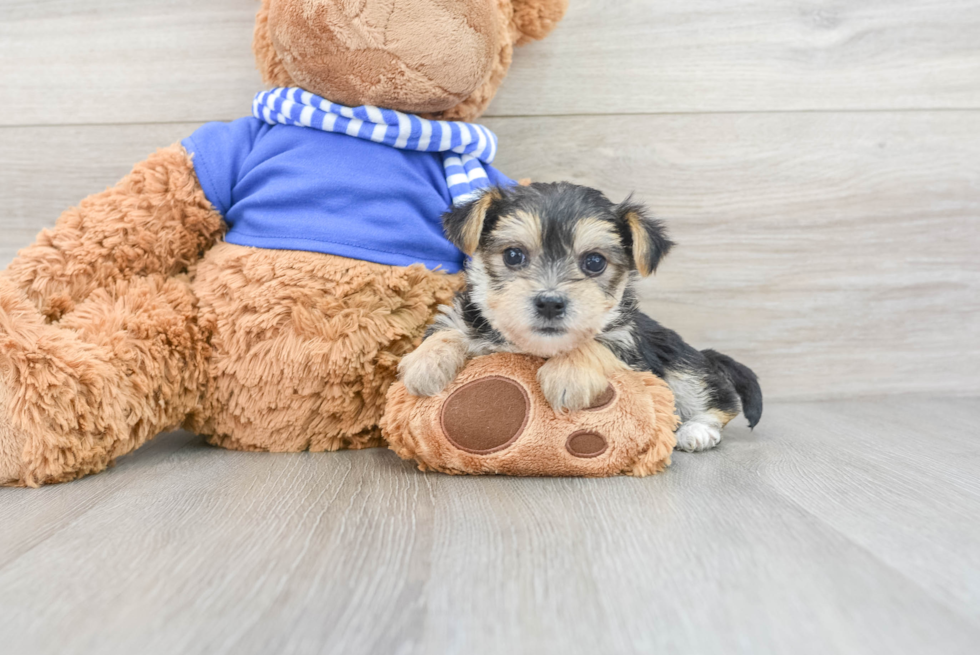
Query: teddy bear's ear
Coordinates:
[463,224]
[266,58]
[644,235]
[534,19]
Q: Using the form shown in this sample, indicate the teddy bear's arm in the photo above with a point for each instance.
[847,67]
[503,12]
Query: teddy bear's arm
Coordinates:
[100,343]
[155,221]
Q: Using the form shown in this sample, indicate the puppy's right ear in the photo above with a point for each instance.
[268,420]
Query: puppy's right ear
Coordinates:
[463,224]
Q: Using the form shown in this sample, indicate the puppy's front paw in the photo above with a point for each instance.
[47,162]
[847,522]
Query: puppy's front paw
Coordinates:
[694,436]
[569,389]
[429,369]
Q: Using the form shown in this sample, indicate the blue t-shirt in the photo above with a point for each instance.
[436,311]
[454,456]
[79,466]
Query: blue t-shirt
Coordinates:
[297,188]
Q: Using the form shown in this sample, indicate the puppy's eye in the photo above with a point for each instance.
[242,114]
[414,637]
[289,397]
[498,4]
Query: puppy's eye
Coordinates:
[593,264]
[515,257]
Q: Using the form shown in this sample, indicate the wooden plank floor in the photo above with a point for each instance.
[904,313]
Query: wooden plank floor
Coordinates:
[834,527]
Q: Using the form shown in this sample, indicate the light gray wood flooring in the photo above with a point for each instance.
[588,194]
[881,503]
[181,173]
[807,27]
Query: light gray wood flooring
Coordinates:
[834,527]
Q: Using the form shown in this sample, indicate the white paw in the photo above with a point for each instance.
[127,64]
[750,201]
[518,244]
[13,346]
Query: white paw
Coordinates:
[425,373]
[430,368]
[694,436]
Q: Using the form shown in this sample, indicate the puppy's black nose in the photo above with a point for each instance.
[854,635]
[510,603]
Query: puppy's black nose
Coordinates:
[550,307]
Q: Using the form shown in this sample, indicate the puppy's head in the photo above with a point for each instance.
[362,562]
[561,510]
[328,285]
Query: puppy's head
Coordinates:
[551,262]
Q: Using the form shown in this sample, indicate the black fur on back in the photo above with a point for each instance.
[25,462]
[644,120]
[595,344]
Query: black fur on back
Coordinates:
[662,349]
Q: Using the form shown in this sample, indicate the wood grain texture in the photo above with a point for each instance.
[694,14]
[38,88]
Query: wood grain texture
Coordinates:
[101,61]
[29,519]
[44,171]
[833,527]
[643,56]
[909,497]
[107,61]
[833,253]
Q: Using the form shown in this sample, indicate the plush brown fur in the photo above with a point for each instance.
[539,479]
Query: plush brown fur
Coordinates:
[131,315]
[638,426]
[306,345]
[110,333]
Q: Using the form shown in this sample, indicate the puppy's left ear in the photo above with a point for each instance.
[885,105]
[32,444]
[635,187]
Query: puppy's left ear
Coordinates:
[647,236]
[463,224]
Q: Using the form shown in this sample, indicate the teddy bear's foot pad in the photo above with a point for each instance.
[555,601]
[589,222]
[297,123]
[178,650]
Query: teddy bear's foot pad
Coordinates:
[485,415]
[494,419]
[489,414]
[586,444]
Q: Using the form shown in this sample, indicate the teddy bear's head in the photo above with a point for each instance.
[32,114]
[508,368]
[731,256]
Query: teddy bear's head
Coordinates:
[438,58]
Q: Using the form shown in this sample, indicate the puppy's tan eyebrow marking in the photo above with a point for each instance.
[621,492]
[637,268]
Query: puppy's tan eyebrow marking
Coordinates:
[594,234]
[520,227]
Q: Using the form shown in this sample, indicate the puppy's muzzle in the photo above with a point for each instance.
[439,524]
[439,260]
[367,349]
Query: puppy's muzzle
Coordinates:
[549,307]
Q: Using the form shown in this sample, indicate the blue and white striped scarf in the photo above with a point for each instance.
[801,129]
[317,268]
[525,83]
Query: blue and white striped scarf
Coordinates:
[463,145]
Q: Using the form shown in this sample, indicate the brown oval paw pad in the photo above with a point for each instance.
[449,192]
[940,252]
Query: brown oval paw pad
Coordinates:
[486,415]
[586,444]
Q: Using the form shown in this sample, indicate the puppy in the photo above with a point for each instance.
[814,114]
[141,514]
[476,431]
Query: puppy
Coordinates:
[551,274]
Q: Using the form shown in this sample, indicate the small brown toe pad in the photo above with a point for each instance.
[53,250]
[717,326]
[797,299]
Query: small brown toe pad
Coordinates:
[586,444]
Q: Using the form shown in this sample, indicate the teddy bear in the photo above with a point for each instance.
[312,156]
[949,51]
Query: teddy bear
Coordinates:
[258,282]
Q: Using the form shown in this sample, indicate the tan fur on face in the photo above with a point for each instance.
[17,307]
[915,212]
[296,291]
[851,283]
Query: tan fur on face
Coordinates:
[509,308]
[510,311]
[593,234]
[521,229]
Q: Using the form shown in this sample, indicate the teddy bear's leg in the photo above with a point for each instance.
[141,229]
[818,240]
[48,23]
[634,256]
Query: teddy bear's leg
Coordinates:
[100,346]
[307,344]
[127,363]
[155,221]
